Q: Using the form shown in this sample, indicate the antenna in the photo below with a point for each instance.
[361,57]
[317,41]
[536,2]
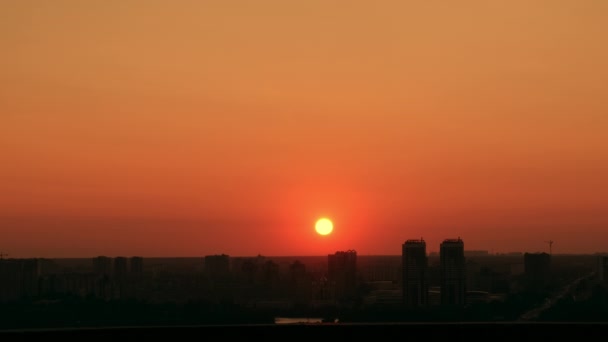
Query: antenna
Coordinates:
[550,242]
[2,255]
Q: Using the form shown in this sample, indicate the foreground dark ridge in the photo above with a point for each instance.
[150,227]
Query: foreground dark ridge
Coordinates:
[508,331]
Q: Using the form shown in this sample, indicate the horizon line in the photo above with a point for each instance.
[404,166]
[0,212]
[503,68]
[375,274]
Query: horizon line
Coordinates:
[293,256]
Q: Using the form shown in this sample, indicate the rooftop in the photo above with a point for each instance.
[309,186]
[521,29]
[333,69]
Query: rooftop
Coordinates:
[453,241]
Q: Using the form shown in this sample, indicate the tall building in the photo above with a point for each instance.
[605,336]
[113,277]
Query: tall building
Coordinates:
[31,271]
[247,269]
[452,272]
[297,270]
[10,279]
[342,273]
[270,273]
[217,266]
[300,283]
[102,265]
[537,270]
[602,268]
[120,267]
[137,265]
[414,270]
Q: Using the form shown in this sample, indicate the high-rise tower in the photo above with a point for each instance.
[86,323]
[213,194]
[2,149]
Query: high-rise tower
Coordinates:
[452,272]
[137,265]
[342,272]
[414,271]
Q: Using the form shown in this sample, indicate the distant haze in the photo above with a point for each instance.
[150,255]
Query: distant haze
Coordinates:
[181,128]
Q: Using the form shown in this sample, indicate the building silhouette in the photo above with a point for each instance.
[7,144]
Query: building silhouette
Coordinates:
[270,273]
[120,267]
[602,268]
[19,278]
[452,272]
[102,266]
[217,266]
[415,285]
[342,274]
[137,265]
[120,272]
[380,268]
[300,283]
[537,271]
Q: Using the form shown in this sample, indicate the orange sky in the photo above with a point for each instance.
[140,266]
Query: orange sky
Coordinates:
[187,128]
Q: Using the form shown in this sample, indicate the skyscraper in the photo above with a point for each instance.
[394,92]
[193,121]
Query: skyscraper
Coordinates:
[602,268]
[120,267]
[342,272]
[300,282]
[102,265]
[414,271]
[537,270]
[452,272]
[217,266]
[137,265]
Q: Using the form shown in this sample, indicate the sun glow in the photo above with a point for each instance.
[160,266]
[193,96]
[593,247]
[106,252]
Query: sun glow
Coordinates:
[324,226]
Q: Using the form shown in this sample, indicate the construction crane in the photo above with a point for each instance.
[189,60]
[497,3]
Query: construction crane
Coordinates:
[550,242]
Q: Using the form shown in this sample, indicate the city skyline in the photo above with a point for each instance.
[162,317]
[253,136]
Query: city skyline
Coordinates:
[428,250]
[340,287]
[184,128]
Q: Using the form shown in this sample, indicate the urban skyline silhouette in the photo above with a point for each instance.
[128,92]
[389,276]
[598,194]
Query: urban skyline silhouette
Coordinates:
[299,169]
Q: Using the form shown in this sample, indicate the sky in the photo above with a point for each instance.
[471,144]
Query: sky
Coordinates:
[190,128]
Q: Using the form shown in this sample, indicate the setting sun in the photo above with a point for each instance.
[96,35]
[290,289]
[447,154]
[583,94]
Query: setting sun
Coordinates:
[324,226]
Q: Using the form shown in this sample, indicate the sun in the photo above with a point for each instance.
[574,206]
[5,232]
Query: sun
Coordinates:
[324,226]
